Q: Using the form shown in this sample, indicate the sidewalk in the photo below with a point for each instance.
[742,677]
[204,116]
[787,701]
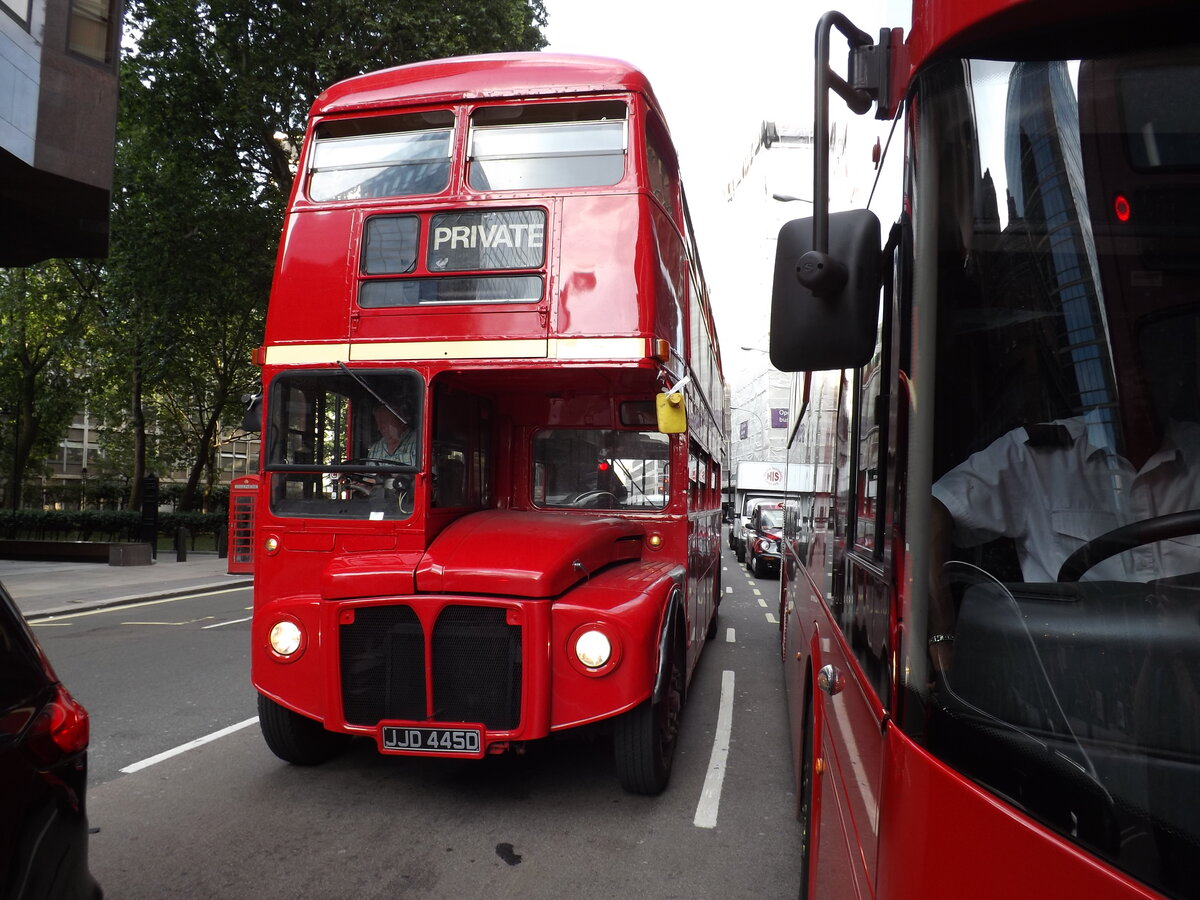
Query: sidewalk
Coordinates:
[52,588]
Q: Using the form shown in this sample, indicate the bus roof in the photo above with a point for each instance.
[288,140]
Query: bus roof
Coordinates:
[486,76]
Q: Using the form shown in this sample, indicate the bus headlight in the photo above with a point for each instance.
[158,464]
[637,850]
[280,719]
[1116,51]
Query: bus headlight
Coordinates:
[593,648]
[286,638]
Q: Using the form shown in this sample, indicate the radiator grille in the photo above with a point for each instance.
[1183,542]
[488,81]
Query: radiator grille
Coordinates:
[383,665]
[476,667]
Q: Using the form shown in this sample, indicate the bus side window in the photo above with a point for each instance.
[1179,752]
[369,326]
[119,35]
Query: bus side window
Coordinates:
[661,168]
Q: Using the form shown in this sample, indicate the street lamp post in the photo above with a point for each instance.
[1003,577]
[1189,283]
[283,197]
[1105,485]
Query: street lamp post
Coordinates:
[766,442]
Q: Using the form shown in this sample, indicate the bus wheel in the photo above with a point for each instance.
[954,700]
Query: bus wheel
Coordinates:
[295,738]
[644,738]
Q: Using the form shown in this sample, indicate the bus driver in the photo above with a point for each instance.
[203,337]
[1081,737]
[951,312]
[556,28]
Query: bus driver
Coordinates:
[1055,486]
[397,442]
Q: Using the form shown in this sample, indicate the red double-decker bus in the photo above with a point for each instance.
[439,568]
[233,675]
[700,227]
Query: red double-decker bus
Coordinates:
[493,424]
[991,613]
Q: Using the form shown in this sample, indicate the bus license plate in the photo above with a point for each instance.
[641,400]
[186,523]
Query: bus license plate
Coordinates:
[422,739]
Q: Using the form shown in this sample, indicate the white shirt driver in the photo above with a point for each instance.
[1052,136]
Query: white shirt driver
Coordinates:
[1052,496]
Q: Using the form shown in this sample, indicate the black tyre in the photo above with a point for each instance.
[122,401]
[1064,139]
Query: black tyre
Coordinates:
[295,738]
[805,811]
[758,568]
[644,738]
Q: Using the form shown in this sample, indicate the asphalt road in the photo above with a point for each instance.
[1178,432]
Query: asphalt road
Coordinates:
[188,801]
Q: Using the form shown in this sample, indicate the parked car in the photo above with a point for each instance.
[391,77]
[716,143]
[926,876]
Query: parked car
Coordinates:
[763,536]
[44,735]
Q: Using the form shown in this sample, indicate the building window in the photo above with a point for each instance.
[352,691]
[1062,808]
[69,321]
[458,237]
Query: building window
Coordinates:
[91,29]
[18,9]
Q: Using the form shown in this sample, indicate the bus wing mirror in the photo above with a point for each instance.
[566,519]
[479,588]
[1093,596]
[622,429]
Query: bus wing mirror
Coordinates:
[252,418]
[671,411]
[825,306]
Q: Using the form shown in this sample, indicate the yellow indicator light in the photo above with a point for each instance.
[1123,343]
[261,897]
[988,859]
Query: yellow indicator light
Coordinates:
[655,541]
[271,544]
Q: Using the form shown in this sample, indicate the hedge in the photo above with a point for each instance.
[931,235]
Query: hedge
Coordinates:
[100,524]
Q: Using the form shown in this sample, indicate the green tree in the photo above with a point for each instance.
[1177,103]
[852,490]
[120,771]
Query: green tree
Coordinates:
[214,100]
[45,311]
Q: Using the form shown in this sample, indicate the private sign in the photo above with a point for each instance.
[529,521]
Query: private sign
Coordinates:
[519,235]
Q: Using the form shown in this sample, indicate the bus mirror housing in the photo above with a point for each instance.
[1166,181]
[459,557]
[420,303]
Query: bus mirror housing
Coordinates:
[252,418]
[825,305]
[671,411]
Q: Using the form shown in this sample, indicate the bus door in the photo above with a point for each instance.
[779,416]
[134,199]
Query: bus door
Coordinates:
[851,656]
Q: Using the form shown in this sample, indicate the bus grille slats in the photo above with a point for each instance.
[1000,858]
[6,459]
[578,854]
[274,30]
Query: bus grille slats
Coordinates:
[476,667]
[383,666]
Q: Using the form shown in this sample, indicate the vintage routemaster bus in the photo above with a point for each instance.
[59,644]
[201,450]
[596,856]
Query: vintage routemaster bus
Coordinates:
[991,624]
[493,421]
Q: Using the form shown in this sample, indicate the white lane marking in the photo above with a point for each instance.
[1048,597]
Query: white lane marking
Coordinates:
[771,618]
[757,592]
[190,745]
[728,590]
[174,624]
[223,624]
[710,796]
[762,602]
[730,636]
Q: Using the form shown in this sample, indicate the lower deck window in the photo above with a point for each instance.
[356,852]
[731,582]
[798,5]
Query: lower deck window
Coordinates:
[600,469]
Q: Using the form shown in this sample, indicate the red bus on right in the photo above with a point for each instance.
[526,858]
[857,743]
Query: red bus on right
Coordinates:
[990,614]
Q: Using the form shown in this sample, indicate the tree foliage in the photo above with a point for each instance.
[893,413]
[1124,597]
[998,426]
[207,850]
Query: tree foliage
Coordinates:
[44,313]
[213,104]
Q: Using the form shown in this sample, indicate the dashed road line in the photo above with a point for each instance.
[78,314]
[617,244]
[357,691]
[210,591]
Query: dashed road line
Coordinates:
[710,796]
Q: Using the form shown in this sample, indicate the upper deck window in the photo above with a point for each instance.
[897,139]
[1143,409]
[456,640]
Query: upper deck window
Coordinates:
[550,145]
[391,156]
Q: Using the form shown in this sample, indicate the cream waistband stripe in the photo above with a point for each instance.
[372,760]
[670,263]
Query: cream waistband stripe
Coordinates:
[526,348]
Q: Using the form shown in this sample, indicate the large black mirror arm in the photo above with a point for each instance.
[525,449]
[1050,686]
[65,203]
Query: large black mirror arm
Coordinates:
[816,269]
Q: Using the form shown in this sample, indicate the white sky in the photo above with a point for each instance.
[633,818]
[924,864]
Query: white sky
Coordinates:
[719,72]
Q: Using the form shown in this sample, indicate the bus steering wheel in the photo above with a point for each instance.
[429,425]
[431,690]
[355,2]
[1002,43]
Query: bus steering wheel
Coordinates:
[356,482]
[1147,531]
[592,499]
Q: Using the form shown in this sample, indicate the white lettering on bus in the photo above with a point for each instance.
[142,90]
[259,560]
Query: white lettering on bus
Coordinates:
[470,237]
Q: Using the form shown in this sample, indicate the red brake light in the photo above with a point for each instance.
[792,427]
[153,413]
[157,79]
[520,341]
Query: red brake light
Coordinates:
[1121,208]
[60,730]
